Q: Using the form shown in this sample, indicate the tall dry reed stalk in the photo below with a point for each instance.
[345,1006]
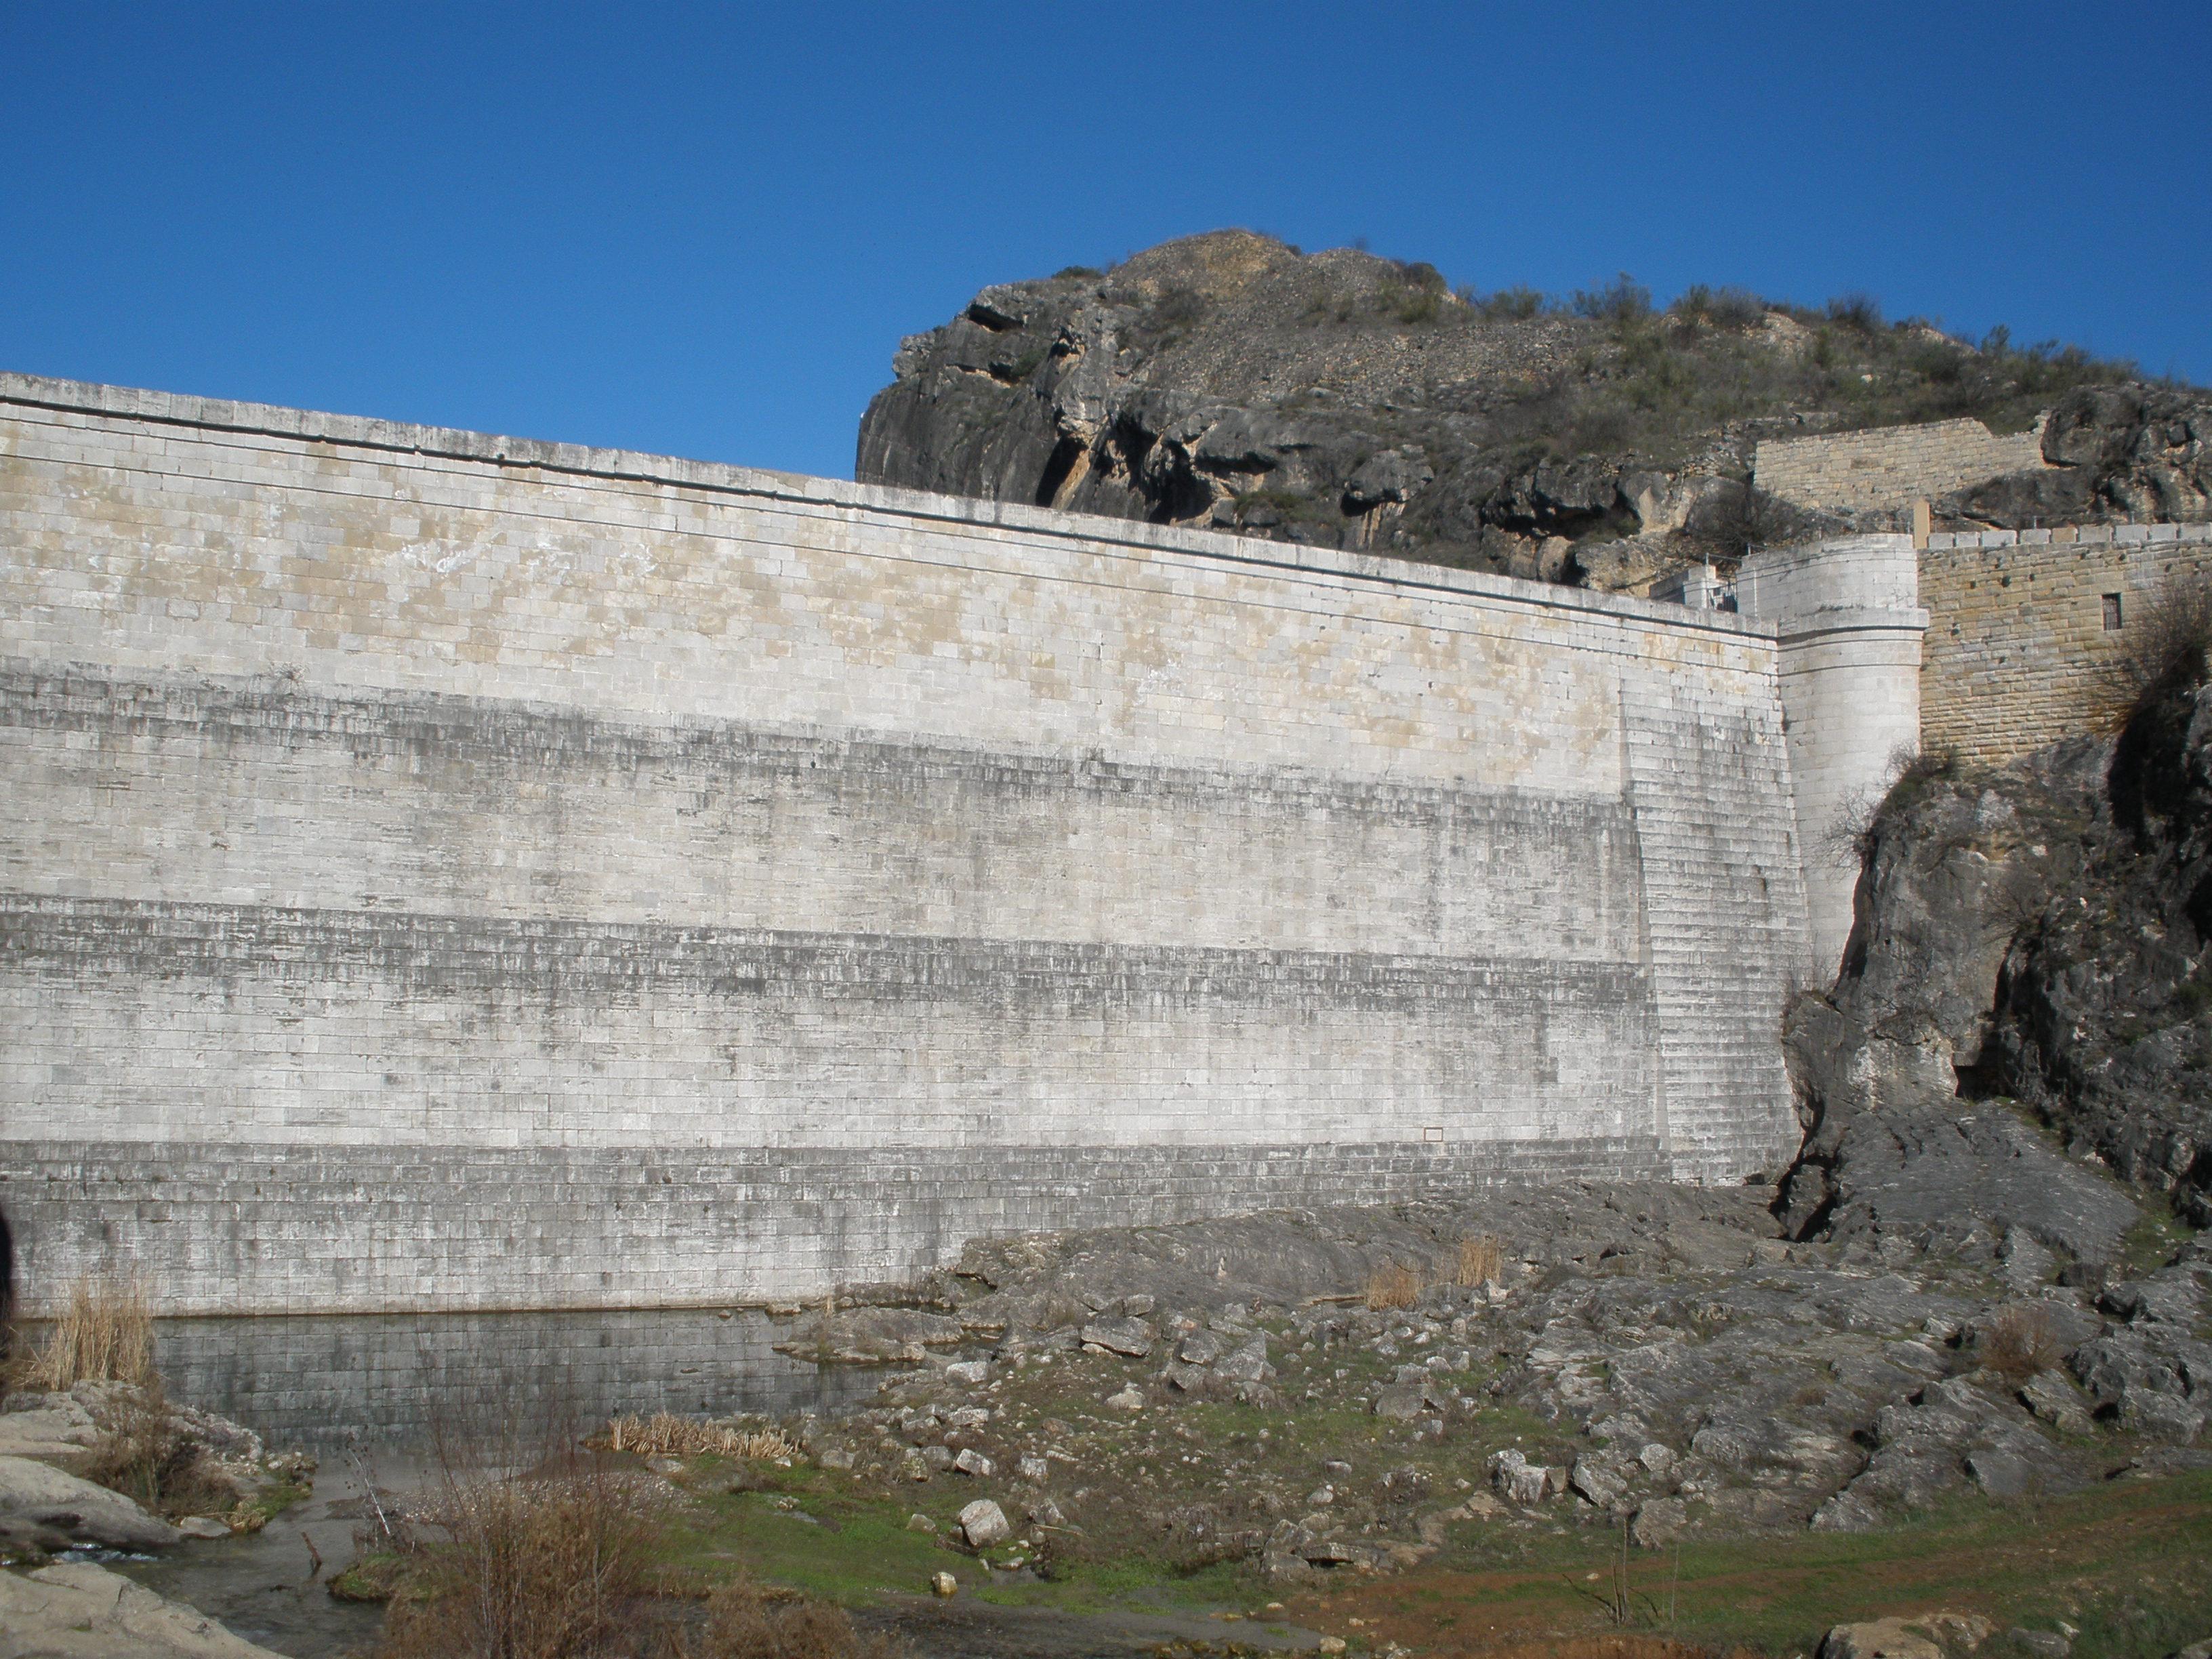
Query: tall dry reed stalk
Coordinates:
[105,1334]
[1481,1258]
[1393,1285]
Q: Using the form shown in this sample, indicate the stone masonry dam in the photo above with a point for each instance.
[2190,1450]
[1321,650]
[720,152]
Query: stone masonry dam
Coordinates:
[445,872]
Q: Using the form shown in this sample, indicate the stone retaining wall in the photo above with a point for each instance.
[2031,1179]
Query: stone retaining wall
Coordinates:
[459,871]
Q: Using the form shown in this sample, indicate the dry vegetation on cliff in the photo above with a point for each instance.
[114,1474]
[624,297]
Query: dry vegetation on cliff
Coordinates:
[1342,400]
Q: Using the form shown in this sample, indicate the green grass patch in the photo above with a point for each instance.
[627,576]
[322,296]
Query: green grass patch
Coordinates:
[2126,1563]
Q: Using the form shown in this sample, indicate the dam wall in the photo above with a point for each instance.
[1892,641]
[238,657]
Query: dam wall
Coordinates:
[453,871]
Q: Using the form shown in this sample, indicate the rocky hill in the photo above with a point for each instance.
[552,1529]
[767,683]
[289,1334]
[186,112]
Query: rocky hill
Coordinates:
[1342,400]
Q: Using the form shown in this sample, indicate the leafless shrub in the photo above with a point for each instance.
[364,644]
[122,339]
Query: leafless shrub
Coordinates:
[544,1566]
[1850,838]
[2166,639]
[144,1454]
[2020,1343]
[1394,1284]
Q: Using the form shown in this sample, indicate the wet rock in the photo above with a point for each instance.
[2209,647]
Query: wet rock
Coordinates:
[36,1493]
[79,1611]
[203,1526]
[983,1523]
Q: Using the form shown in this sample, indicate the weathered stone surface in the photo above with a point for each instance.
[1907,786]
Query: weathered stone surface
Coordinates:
[983,1523]
[1379,842]
[1880,1638]
[36,1492]
[1132,1338]
[79,1611]
[1338,399]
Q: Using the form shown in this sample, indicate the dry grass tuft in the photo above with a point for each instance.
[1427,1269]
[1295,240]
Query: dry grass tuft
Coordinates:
[1481,1258]
[542,1568]
[104,1336]
[743,1624]
[2020,1343]
[1393,1285]
[664,1435]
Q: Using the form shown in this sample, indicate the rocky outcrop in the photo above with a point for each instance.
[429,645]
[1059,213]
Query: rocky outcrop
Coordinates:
[2030,966]
[1954,867]
[79,1611]
[2104,1008]
[47,1508]
[2131,454]
[1338,400]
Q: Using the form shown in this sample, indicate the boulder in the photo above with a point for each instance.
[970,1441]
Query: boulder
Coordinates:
[974,1462]
[1130,1338]
[1518,1481]
[2161,1417]
[79,1611]
[37,1493]
[983,1523]
[1879,1638]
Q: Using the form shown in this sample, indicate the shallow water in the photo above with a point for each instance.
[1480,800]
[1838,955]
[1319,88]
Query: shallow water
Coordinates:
[373,1398]
[392,1383]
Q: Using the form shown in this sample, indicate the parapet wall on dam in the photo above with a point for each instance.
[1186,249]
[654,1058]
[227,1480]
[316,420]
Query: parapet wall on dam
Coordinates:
[449,872]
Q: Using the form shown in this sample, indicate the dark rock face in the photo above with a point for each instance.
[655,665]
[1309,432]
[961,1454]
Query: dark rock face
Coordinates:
[1337,400]
[2130,452]
[2104,1007]
[1956,867]
[1345,401]
[2038,941]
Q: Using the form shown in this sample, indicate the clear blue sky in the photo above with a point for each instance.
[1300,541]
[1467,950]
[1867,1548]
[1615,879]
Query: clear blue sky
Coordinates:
[703,230]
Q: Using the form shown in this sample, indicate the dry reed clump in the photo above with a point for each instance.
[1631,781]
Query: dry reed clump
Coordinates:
[1394,1284]
[542,1568]
[105,1334]
[1481,1258]
[664,1435]
[743,1624]
[2020,1343]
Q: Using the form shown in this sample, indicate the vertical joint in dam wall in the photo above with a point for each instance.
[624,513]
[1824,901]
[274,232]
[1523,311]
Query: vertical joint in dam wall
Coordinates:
[1847,618]
[459,871]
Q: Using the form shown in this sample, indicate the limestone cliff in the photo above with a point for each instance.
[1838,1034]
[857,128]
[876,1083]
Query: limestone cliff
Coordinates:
[1343,400]
[2024,996]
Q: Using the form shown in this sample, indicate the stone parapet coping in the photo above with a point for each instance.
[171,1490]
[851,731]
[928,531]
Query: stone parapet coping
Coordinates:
[523,455]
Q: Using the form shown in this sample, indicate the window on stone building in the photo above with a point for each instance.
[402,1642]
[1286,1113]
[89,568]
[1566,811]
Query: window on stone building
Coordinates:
[2111,612]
